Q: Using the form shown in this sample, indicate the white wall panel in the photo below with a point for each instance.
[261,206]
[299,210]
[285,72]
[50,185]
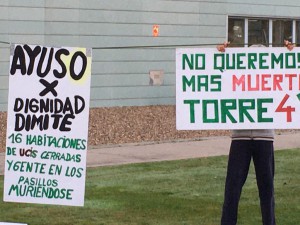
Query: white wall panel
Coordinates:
[120,77]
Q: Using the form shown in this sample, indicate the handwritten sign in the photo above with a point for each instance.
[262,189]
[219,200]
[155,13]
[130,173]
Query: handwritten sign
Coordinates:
[242,88]
[47,127]
[4,223]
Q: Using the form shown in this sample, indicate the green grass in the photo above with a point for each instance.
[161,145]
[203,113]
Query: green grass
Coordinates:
[166,193]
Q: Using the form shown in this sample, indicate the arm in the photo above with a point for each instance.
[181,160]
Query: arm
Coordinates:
[221,48]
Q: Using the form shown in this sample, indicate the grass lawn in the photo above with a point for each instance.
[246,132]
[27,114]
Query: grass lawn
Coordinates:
[181,192]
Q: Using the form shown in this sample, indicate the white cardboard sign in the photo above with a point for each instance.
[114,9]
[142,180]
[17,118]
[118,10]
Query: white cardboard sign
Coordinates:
[47,127]
[4,223]
[242,88]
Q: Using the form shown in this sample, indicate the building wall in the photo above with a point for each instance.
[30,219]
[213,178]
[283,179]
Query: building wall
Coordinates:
[120,77]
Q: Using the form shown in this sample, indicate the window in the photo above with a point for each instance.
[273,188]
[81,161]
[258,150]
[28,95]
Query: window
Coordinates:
[282,30]
[268,32]
[236,32]
[258,32]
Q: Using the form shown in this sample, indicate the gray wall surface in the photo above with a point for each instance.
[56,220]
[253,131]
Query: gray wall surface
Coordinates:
[120,77]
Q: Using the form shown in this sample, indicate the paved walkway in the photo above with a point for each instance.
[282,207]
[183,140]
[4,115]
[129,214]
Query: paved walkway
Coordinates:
[133,153]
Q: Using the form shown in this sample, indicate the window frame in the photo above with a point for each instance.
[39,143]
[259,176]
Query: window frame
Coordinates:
[246,27]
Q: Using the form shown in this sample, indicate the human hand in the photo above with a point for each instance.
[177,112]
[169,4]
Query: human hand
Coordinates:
[221,48]
[288,44]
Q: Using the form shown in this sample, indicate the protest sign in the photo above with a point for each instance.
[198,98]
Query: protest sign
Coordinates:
[47,125]
[242,88]
[4,223]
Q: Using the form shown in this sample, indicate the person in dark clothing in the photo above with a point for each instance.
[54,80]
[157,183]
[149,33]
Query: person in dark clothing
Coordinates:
[247,145]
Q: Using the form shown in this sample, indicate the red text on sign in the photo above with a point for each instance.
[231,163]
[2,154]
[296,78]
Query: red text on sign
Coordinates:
[266,82]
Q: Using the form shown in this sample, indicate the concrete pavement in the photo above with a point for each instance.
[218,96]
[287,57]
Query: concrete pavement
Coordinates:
[204,147]
[150,152]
